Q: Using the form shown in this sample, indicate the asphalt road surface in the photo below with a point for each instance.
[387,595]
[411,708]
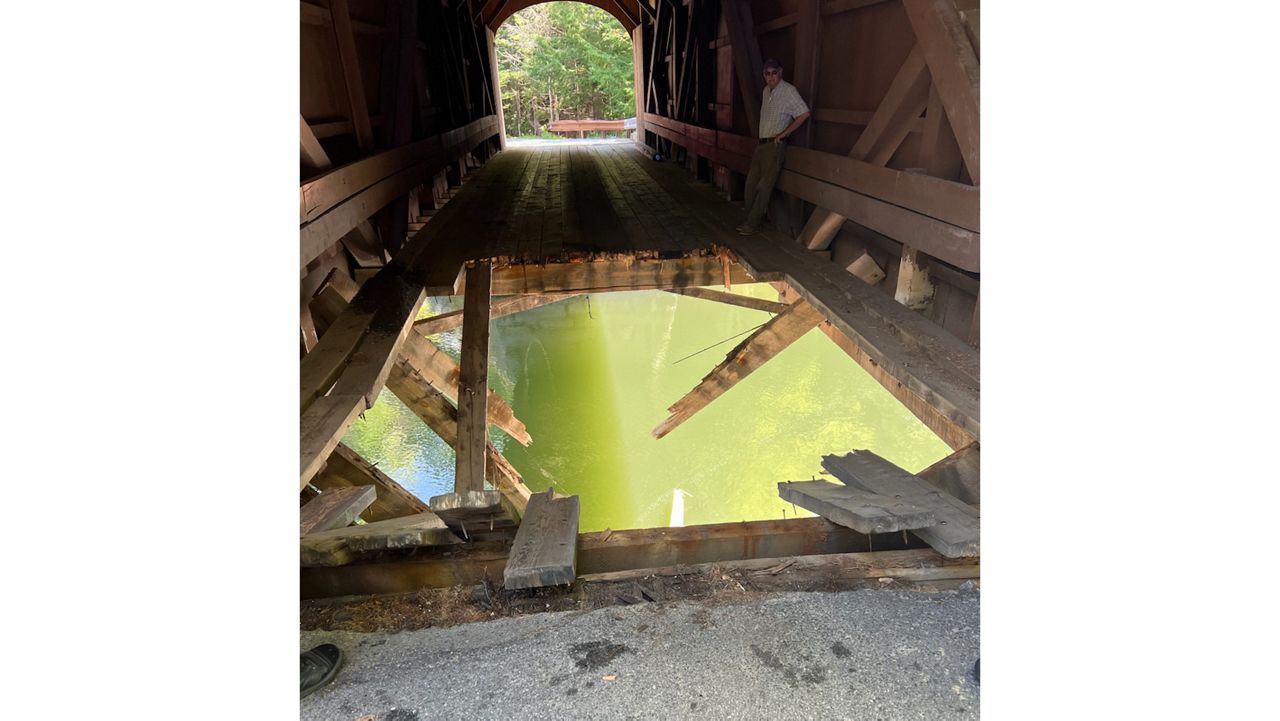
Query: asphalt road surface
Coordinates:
[858,654]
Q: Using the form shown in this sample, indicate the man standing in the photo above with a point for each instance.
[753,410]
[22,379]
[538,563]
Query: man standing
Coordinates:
[781,111]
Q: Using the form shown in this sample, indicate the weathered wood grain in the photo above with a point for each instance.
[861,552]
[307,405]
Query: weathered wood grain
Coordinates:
[473,382]
[771,339]
[744,301]
[335,508]
[857,509]
[341,546]
[958,474]
[545,549]
[957,532]
[346,468]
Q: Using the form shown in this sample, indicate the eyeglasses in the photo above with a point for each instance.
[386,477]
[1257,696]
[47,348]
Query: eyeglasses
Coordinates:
[773,72]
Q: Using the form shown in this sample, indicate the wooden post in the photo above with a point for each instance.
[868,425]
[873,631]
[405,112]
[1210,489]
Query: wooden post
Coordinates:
[953,64]
[344,36]
[637,61]
[489,41]
[747,63]
[915,287]
[474,381]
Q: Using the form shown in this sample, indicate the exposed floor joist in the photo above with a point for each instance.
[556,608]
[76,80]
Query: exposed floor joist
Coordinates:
[498,309]
[771,339]
[744,301]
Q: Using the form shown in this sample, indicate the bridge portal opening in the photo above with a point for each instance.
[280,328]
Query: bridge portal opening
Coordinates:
[565,69]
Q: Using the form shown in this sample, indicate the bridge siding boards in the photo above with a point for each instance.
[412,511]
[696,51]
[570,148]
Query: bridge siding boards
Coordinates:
[335,508]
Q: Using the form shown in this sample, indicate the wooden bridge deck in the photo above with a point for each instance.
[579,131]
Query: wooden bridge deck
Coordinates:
[603,216]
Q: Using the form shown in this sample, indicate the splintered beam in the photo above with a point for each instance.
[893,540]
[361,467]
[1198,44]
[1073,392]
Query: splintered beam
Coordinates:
[507,306]
[473,381]
[770,340]
[719,296]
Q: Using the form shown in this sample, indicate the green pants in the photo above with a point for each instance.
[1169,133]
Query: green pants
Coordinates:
[766,166]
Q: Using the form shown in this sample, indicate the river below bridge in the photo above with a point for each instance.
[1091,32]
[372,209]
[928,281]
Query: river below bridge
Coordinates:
[593,375]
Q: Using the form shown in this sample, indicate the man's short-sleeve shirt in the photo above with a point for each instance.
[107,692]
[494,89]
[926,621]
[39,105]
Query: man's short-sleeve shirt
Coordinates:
[780,106]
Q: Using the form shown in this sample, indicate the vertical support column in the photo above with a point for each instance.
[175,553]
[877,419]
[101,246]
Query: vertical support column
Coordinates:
[489,41]
[473,381]
[637,61]
[345,37]
[915,288]
[974,335]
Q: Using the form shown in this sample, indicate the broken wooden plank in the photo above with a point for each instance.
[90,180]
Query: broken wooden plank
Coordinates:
[915,288]
[771,339]
[341,545]
[719,296]
[498,309]
[957,532]
[610,275]
[857,509]
[473,382]
[957,474]
[335,508]
[545,550]
[346,468]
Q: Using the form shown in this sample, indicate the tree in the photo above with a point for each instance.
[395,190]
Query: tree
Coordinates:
[563,60]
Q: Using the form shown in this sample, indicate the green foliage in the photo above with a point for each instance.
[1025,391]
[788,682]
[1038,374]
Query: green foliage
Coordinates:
[563,60]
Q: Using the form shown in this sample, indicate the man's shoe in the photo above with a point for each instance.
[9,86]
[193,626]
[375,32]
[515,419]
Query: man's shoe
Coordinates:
[319,666]
[746,230]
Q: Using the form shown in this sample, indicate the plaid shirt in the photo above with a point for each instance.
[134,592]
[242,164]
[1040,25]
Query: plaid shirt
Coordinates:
[781,105]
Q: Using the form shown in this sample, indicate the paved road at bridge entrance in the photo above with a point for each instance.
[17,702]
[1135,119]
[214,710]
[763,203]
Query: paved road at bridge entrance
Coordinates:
[859,654]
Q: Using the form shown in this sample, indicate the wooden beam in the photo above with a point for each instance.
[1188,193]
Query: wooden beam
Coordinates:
[336,508]
[344,209]
[346,469]
[340,546]
[958,474]
[743,301]
[345,38]
[747,63]
[940,31]
[500,308]
[613,552]
[915,289]
[957,532]
[946,429]
[424,357]
[433,408]
[490,43]
[808,58]
[599,276]
[314,159]
[855,508]
[905,100]
[474,380]
[939,153]
[770,340]
[952,243]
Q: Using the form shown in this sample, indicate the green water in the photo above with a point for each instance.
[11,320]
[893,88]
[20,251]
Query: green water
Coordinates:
[593,375]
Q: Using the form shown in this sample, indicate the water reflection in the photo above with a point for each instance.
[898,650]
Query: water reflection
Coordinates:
[591,379]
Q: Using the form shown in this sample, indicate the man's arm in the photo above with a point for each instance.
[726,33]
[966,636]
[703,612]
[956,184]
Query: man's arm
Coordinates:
[792,127]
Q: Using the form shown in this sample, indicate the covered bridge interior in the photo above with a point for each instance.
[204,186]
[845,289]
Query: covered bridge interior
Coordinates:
[410,189]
